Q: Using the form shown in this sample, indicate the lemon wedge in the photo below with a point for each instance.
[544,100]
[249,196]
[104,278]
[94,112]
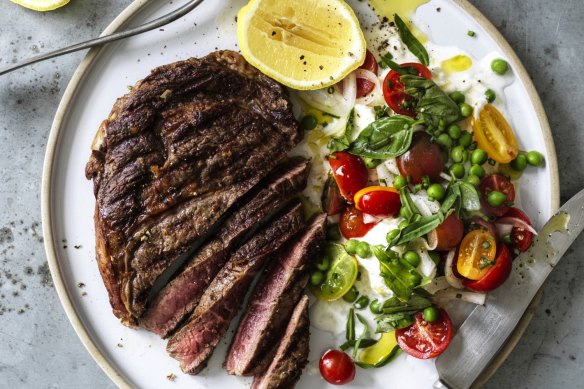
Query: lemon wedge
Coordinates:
[41,5]
[304,44]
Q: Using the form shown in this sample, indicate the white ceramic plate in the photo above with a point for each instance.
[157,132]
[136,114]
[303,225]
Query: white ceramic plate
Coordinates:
[138,358]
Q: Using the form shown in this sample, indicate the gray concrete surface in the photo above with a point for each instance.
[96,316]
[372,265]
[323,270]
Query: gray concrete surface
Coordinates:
[38,347]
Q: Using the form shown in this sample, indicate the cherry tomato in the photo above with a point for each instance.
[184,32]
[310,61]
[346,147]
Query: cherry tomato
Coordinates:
[350,173]
[424,158]
[336,367]
[449,233]
[520,237]
[378,201]
[393,89]
[499,183]
[494,134]
[476,254]
[365,86]
[332,201]
[352,225]
[478,222]
[497,274]
[424,339]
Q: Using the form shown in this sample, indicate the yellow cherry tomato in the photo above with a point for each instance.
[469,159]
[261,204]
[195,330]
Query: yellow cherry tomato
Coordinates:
[378,200]
[476,254]
[494,135]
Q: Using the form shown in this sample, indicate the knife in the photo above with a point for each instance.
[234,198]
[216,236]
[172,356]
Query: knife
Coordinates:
[487,328]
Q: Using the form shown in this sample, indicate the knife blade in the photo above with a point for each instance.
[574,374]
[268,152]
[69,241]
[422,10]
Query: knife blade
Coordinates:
[487,328]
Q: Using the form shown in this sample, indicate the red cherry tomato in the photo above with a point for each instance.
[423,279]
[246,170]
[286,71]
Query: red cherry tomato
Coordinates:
[498,273]
[365,86]
[424,339]
[393,89]
[424,158]
[336,367]
[350,173]
[449,233]
[378,201]
[352,225]
[520,237]
[499,183]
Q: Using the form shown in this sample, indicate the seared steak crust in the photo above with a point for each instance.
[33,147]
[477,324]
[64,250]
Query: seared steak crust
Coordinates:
[195,342]
[292,355]
[182,294]
[271,305]
[174,154]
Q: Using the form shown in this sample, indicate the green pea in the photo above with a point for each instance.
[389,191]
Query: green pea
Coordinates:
[496,198]
[457,170]
[477,170]
[376,307]
[399,182]
[425,182]
[412,258]
[363,250]
[436,192]
[465,139]
[316,278]
[332,232]
[351,295]
[519,163]
[458,154]
[362,302]
[490,95]
[465,110]
[471,33]
[479,156]
[454,131]
[458,97]
[324,264]
[371,163]
[534,158]
[499,66]
[472,146]
[391,235]
[431,314]
[309,122]
[444,140]
[435,257]
[403,224]
[473,180]
[351,246]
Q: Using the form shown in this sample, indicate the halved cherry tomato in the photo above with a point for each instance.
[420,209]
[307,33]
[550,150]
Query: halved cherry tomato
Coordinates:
[424,339]
[365,86]
[352,225]
[449,233]
[393,89]
[350,173]
[477,222]
[494,134]
[331,199]
[499,183]
[520,237]
[378,201]
[336,367]
[476,254]
[497,274]
[424,158]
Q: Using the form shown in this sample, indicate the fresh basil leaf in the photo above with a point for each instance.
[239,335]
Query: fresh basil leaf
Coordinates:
[366,342]
[350,329]
[381,111]
[392,322]
[399,278]
[385,60]
[386,137]
[342,142]
[420,227]
[469,197]
[414,304]
[410,208]
[362,336]
[411,41]
[434,106]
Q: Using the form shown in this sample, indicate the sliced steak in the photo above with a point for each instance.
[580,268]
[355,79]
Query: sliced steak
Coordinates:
[272,302]
[180,297]
[291,356]
[172,157]
[194,343]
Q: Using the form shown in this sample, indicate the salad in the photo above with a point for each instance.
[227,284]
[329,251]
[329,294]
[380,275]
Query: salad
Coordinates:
[417,168]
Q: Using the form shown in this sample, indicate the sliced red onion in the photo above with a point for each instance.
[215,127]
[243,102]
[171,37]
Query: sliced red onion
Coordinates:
[484,224]
[375,96]
[516,222]
[445,295]
[453,280]
[368,218]
[437,284]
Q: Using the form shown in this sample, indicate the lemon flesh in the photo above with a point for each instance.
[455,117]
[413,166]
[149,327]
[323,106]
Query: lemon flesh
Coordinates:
[41,5]
[304,44]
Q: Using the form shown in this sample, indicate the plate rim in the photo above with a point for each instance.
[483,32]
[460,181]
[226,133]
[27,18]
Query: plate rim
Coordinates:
[68,97]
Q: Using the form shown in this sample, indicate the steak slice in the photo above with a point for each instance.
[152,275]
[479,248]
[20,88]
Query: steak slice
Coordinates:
[291,356]
[178,299]
[273,301]
[194,343]
[172,157]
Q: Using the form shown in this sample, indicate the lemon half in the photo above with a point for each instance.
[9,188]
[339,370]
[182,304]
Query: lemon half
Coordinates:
[41,5]
[304,44]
